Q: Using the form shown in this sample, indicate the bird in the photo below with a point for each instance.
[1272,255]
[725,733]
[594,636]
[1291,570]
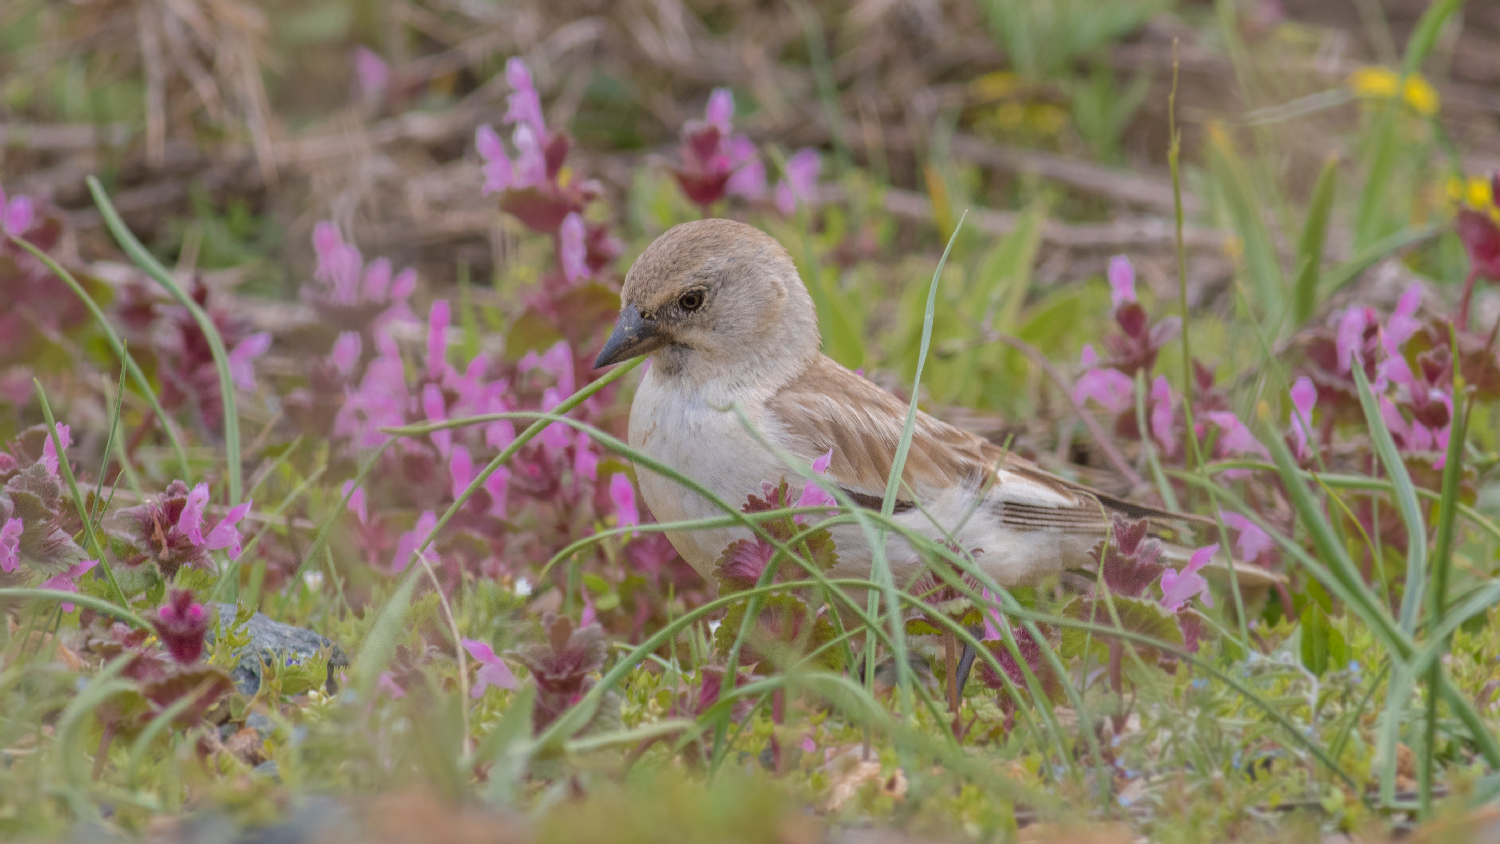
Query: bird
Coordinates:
[733,338]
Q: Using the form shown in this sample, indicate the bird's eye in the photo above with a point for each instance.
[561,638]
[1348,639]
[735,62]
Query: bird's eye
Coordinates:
[691,300]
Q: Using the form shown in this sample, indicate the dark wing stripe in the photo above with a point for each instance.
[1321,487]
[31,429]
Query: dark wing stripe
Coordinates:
[873,502]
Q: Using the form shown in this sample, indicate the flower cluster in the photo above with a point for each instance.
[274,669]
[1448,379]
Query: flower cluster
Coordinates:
[37,306]
[36,526]
[184,359]
[1382,83]
[562,666]
[537,187]
[168,531]
[716,162]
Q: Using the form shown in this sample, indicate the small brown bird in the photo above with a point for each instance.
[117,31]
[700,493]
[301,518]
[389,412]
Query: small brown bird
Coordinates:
[721,309]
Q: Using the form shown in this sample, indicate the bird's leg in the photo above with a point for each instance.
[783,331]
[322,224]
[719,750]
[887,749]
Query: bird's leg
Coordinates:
[966,659]
[950,655]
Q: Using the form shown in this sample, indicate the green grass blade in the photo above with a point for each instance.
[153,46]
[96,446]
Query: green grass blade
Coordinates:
[1310,247]
[1406,505]
[146,261]
[66,469]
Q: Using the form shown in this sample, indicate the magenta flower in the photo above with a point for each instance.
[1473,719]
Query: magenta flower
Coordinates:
[68,580]
[530,184]
[712,156]
[242,359]
[1252,542]
[461,470]
[10,545]
[1162,419]
[800,183]
[812,494]
[1177,588]
[1403,322]
[1234,437]
[622,493]
[524,104]
[225,534]
[1304,398]
[380,401]
[571,249]
[371,73]
[349,293]
[50,457]
[346,351]
[1121,280]
[492,672]
[407,544]
[181,625]
[1110,388]
[16,215]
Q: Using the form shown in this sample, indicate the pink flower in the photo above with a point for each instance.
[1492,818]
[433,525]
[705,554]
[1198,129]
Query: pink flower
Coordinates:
[50,457]
[10,545]
[1179,588]
[357,502]
[715,162]
[557,362]
[181,625]
[571,249]
[1110,388]
[622,493]
[492,672]
[1161,415]
[1304,398]
[1253,541]
[345,354]
[407,544]
[720,110]
[812,494]
[498,172]
[1403,322]
[461,471]
[225,535]
[242,359]
[371,73]
[1350,336]
[1121,280]
[1234,437]
[68,581]
[16,215]
[524,105]
[801,181]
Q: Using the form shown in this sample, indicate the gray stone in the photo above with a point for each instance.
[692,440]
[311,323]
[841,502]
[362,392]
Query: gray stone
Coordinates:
[272,641]
[262,724]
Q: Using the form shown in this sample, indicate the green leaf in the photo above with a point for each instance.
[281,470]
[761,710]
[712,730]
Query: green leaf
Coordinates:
[1323,646]
[1310,247]
[1137,615]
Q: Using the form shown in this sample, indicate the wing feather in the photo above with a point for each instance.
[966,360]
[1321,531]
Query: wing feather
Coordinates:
[828,406]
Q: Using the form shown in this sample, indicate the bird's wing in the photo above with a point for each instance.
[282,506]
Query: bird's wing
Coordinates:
[829,407]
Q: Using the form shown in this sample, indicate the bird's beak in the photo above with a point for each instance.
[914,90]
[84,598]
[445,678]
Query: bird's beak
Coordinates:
[633,335]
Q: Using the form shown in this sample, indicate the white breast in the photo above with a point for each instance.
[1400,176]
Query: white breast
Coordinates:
[690,433]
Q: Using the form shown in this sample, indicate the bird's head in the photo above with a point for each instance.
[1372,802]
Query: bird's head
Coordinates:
[712,297]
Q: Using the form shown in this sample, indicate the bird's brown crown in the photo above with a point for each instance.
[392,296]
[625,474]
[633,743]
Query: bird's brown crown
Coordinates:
[705,253]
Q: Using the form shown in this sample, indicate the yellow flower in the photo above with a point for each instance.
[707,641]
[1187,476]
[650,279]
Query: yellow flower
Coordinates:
[1381,83]
[1420,95]
[1475,192]
[1373,81]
